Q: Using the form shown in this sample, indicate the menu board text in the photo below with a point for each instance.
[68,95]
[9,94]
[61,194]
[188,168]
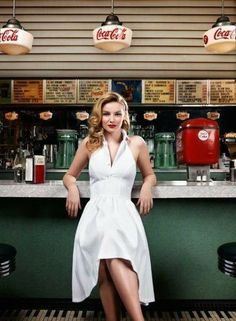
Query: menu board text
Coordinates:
[191,91]
[27,91]
[89,90]
[158,91]
[60,91]
[223,91]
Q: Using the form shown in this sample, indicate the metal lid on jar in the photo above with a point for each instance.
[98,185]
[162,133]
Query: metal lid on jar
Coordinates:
[199,123]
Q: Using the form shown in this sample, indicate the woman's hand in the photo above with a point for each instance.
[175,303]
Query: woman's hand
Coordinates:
[73,201]
[145,200]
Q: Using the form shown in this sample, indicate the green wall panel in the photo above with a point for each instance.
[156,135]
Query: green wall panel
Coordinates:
[183,236]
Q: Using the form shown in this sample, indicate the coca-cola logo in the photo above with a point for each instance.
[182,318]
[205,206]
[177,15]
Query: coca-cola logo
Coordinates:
[9,35]
[224,34]
[205,39]
[115,34]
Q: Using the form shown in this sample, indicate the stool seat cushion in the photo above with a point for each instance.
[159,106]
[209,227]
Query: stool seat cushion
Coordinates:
[227,251]
[7,252]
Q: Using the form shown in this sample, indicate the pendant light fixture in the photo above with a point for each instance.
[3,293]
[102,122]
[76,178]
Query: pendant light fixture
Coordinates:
[112,36]
[221,37]
[14,40]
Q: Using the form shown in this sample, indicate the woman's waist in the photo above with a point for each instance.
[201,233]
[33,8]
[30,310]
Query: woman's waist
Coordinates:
[111,187]
[112,196]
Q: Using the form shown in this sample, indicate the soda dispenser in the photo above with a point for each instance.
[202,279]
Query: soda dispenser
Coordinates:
[164,150]
[67,144]
[198,146]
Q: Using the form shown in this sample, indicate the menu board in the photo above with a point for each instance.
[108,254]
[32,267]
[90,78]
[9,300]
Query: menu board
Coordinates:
[60,91]
[158,91]
[89,90]
[5,91]
[27,91]
[191,91]
[223,91]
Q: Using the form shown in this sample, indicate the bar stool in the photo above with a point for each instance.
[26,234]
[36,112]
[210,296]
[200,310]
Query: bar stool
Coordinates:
[7,259]
[227,258]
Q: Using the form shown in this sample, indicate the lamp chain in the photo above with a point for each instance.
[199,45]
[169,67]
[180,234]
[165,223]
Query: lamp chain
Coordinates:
[13,9]
[112,6]
[222,7]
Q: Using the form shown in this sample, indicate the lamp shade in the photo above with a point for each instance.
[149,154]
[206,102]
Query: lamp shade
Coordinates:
[14,40]
[112,38]
[221,37]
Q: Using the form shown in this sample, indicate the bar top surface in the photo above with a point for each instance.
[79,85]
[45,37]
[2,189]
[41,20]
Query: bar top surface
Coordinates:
[163,189]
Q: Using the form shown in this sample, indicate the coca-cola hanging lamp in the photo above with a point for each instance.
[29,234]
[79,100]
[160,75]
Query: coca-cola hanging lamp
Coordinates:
[112,36]
[14,40]
[221,37]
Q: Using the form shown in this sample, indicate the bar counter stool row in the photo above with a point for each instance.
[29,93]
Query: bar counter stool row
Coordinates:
[7,259]
[227,258]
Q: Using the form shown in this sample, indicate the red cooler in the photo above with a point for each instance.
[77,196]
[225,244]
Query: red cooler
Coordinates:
[197,142]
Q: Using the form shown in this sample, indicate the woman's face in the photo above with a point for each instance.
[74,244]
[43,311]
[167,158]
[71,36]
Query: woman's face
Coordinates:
[113,114]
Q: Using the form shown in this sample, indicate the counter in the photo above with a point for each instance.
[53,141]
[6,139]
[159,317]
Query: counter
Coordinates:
[164,189]
[184,229]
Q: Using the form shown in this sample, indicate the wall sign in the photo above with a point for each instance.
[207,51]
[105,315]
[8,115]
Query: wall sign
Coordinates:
[223,91]
[214,115]
[182,115]
[27,91]
[89,90]
[131,90]
[147,91]
[191,92]
[60,91]
[158,91]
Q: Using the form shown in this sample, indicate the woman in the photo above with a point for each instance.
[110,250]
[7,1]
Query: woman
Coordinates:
[110,246]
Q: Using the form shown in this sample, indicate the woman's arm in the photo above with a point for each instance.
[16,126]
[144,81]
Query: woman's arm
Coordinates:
[145,200]
[79,162]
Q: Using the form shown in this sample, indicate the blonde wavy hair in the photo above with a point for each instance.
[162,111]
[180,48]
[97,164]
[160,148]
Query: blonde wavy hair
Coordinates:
[96,131]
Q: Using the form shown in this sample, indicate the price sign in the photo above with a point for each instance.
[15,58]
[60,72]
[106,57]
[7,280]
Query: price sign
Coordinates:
[223,91]
[58,91]
[191,91]
[158,91]
[27,91]
[89,90]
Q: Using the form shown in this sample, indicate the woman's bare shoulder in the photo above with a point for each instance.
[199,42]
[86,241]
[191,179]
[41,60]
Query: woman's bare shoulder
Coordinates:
[83,146]
[83,143]
[137,140]
[85,140]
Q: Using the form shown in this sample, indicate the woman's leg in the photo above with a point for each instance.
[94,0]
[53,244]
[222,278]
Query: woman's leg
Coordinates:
[108,294]
[126,283]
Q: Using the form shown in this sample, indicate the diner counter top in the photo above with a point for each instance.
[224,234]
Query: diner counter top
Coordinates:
[163,189]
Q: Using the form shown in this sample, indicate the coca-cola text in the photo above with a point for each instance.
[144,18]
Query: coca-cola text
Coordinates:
[9,35]
[224,34]
[114,34]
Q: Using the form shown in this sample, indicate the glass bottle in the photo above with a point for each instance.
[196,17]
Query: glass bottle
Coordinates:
[19,166]
[149,138]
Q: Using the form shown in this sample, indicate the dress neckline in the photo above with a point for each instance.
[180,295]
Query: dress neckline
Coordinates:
[124,138]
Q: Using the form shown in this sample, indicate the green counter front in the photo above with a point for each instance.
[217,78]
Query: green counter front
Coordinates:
[183,236]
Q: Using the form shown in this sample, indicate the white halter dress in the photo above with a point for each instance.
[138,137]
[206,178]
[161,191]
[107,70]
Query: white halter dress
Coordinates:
[110,226]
